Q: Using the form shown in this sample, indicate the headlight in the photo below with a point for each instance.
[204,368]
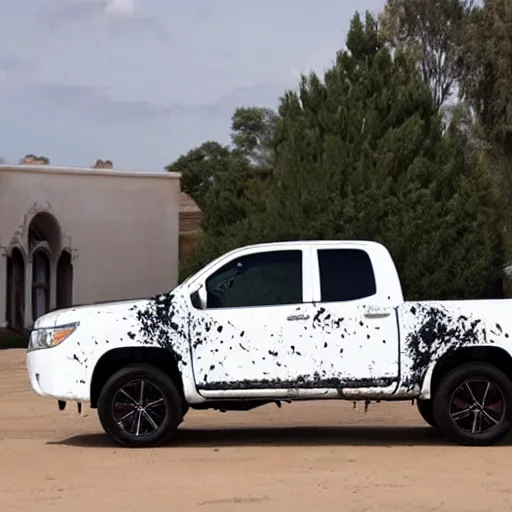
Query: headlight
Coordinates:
[51,336]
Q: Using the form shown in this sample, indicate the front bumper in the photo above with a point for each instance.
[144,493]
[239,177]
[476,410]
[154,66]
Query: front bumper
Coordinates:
[57,373]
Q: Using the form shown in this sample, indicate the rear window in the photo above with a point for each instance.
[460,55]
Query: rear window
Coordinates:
[345,274]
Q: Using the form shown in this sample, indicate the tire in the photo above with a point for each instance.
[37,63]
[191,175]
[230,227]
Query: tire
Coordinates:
[458,401]
[163,406]
[426,410]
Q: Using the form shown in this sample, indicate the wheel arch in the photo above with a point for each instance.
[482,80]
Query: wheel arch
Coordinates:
[497,356]
[118,358]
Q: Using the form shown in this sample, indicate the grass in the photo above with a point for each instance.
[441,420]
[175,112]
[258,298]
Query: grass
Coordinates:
[11,339]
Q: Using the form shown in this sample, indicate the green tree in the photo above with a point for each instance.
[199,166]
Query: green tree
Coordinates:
[200,168]
[253,135]
[229,183]
[464,47]
[251,156]
[488,71]
[487,87]
[433,32]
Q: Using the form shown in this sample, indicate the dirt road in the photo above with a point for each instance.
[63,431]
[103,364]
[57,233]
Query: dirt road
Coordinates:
[322,456]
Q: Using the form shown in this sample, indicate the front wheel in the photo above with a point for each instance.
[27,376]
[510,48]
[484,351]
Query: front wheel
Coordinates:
[472,404]
[139,406]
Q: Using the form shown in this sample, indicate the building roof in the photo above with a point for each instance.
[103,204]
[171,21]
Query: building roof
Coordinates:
[52,169]
[187,204]
[190,214]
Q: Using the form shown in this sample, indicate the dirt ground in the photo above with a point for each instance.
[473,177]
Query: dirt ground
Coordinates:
[322,456]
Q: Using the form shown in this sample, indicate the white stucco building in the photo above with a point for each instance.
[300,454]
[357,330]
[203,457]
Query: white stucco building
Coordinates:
[78,236]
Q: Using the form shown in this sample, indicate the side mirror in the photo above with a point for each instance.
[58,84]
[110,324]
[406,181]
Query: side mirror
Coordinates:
[198,296]
[202,296]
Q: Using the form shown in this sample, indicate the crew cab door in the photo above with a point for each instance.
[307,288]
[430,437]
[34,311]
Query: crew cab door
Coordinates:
[358,337]
[247,321]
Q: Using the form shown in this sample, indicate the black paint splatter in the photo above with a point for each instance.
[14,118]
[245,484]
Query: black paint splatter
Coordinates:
[438,333]
[313,381]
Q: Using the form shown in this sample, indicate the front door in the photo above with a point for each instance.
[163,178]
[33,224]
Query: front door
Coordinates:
[249,333]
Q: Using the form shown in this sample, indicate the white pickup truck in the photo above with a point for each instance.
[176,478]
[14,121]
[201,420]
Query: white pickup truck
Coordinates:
[310,320]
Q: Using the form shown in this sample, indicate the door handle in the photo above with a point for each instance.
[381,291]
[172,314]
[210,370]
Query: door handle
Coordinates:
[376,311]
[293,318]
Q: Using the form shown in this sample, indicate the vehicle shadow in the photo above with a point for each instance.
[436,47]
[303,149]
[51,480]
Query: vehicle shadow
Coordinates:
[286,436]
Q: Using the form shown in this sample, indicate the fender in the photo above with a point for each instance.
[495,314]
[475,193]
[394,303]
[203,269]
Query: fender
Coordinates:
[493,354]
[183,362]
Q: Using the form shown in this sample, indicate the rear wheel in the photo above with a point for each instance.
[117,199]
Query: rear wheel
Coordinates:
[139,406]
[472,404]
[426,409]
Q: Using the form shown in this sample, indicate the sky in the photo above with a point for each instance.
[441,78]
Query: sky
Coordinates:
[140,82]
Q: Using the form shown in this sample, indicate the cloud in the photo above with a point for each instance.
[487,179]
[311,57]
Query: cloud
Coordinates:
[120,8]
[13,69]
[75,124]
[258,95]
[112,15]
[10,62]
[92,105]
[82,102]
[74,10]
[77,11]
[93,102]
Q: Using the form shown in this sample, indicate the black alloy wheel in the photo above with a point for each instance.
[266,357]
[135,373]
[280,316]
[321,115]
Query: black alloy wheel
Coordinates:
[139,406]
[477,406]
[472,404]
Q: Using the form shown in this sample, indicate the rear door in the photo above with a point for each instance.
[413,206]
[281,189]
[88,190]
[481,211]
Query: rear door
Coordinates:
[357,328]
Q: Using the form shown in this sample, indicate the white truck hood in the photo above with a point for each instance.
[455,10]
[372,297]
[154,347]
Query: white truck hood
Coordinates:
[78,313]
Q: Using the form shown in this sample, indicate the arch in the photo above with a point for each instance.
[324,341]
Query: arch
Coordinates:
[64,280]
[16,246]
[41,246]
[15,289]
[40,283]
[44,227]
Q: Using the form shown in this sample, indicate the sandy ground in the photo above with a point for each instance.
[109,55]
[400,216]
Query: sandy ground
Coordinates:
[323,456]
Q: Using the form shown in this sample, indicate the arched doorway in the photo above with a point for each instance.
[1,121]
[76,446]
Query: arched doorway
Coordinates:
[40,283]
[15,290]
[44,244]
[64,281]
[44,228]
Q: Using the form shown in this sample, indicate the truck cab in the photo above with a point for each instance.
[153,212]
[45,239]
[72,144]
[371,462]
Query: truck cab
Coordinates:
[296,319]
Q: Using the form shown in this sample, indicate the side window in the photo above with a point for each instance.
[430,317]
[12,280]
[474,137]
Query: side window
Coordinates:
[345,274]
[263,279]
